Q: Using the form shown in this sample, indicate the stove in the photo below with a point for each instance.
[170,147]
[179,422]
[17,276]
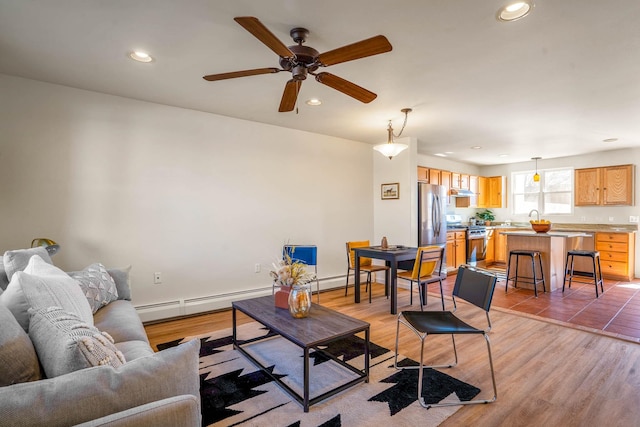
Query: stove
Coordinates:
[476,239]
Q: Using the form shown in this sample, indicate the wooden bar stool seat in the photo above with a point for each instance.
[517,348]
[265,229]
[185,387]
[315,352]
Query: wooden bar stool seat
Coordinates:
[595,273]
[536,264]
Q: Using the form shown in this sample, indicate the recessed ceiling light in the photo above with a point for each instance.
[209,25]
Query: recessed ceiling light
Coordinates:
[140,56]
[440,155]
[503,155]
[476,147]
[514,11]
[314,101]
[448,152]
[610,140]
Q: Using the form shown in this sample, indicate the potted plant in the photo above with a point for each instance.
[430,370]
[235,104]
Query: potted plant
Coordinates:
[486,215]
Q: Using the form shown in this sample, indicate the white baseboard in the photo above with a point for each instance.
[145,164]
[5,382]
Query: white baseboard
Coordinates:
[190,306]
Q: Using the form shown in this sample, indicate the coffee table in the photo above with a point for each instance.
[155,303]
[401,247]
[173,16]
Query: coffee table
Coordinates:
[321,327]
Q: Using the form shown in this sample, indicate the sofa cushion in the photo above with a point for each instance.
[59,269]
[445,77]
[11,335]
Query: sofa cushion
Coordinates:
[66,344]
[123,285]
[4,280]
[178,411]
[18,359]
[17,260]
[42,285]
[97,284]
[120,319]
[134,349]
[92,393]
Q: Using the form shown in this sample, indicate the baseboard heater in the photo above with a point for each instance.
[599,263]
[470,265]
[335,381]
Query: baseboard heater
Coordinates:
[190,306]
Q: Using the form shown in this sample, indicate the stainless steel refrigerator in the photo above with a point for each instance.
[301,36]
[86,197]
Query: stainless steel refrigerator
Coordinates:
[432,223]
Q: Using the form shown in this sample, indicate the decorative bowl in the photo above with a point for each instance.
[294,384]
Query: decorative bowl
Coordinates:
[541,226]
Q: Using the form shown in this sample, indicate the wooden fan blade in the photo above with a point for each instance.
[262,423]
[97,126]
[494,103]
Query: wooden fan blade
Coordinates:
[262,33]
[346,87]
[245,73]
[290,95]
[362,49]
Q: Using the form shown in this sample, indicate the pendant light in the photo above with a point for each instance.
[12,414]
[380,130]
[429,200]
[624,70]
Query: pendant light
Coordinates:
[536,177]
[391,148]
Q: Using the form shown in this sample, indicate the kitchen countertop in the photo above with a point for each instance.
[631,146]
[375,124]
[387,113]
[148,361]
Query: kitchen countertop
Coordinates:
[586,228]
[551,233]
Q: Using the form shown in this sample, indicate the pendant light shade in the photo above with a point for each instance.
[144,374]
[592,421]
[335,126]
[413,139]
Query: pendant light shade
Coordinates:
[536,176]
[391,149]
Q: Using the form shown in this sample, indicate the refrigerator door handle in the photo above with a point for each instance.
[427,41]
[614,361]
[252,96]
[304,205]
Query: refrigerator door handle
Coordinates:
[436,215]
[434,204]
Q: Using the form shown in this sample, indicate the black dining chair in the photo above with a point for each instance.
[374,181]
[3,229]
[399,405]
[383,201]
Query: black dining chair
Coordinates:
[473,286]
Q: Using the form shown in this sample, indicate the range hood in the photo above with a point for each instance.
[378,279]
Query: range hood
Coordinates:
[460,192]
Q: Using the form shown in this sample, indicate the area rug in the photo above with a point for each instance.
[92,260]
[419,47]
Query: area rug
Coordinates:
[236,393]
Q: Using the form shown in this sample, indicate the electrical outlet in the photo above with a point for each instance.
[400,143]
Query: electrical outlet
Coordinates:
[157,278]
[633,218]
[257,268]
[610,219]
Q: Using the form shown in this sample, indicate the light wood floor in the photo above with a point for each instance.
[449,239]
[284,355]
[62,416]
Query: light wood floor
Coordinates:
[547,374]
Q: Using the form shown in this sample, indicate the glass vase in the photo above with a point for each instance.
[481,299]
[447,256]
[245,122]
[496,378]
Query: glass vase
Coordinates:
[300,301]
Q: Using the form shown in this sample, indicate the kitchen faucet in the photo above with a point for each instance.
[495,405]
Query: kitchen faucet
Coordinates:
[537,213]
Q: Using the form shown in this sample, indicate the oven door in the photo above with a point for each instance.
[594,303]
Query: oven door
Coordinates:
[476,248]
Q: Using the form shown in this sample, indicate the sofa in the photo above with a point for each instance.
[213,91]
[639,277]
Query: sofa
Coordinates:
[73,351]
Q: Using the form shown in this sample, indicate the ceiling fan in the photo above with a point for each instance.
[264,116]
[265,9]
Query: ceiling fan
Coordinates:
[303,60]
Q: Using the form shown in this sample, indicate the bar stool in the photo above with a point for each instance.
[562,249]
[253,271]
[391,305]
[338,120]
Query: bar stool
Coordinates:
[596,273]
[533,255]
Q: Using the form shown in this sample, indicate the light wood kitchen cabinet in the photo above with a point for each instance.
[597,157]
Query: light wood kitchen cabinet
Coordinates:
[490,256]
[617,255]
[483,190]
[490,191]
[459,180]
[435,176]
[423,174]
[473,186]
[456,252]
[500,247]
[464,181]
[455,180]
[445,180]
[604,186]
[494,185]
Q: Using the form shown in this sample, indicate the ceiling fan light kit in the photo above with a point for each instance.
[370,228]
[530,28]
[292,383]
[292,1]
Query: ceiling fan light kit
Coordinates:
[391,149]
[301,61]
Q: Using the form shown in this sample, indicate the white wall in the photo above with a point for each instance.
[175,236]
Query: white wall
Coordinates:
[199,197]
[396,219]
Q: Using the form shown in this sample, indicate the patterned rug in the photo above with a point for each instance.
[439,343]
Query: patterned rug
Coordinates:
[235,393]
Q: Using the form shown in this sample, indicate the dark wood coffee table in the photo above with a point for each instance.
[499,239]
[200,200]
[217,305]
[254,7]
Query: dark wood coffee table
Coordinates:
[321,327]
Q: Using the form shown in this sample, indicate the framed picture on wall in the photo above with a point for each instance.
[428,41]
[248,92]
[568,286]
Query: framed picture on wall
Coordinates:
[390,191]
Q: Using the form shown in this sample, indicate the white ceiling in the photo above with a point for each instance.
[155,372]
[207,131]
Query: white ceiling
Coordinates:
[555,83]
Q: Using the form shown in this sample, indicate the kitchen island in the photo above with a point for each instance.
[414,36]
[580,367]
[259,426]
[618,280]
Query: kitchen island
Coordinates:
[553,247]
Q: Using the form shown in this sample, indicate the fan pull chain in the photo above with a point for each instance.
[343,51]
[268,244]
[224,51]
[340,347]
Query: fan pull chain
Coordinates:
[297,95]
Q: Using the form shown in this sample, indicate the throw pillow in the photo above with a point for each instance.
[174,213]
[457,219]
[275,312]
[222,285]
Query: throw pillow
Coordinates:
[17,260]
[121,277]
[97,285]
[18,359]
[65,343]
[43,285]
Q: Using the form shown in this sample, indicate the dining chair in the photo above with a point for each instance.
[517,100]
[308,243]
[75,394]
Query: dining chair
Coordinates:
[366,265]
[306,254]
[427,268]
[473,286]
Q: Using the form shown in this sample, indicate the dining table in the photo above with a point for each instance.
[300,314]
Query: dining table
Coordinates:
[393,256]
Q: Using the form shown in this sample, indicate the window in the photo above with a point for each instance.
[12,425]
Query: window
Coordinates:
[553,194]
